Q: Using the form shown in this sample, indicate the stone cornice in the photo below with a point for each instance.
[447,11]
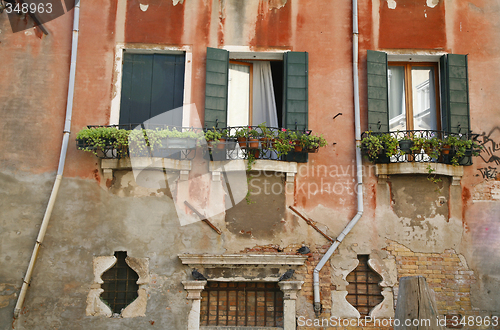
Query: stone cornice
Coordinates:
[230,260]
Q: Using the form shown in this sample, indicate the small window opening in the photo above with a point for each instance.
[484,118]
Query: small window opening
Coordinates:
[255,304]
[120,284]
[364,293]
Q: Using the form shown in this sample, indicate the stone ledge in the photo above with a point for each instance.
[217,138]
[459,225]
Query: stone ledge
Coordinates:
[214,260]
[419,168]
[151,163]
[259,165]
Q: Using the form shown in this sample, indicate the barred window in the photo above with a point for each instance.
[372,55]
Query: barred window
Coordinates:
[120,284]
[364,293]
[242,304]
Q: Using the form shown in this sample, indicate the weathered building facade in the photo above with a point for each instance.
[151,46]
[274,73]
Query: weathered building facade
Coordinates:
[444,229]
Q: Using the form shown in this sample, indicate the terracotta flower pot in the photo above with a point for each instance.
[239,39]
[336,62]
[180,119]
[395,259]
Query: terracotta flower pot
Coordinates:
[242,141]
[221,144]
[253,143]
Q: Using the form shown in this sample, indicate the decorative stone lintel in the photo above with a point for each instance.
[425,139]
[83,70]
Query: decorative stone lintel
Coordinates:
[228,260]
[290,289]
[194,289]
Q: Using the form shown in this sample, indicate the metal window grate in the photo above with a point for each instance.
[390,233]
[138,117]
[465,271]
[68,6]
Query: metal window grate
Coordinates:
[120,284]
[364,293]
[242,304]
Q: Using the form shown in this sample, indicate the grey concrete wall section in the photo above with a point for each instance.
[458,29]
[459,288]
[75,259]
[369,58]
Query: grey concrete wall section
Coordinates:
[87,222]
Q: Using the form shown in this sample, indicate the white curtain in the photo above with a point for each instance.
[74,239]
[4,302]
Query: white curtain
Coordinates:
[264,105]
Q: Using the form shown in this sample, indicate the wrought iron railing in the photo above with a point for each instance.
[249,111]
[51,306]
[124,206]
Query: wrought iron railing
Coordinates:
[259,144]
[409,150]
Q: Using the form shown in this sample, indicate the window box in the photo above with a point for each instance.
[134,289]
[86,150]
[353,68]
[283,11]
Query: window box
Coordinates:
[115,142]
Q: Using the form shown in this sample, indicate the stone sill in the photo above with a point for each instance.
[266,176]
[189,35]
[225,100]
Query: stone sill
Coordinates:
[184,166]
[140,163]
[259,165]
[383,170]
[156,163]
[217,260]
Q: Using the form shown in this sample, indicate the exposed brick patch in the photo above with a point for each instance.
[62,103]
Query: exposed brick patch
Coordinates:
[444,272]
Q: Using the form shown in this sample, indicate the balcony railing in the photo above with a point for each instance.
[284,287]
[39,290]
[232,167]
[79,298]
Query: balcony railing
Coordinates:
[230,143]
[423,146]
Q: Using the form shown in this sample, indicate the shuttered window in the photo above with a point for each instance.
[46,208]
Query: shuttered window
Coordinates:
[152,84]
[295,89]
[453,94]
[216,87]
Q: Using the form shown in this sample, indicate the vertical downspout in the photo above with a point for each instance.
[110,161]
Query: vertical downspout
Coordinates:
[60,169]
[359,169]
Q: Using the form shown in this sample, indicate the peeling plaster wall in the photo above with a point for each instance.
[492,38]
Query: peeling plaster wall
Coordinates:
[89,224]
[90,221]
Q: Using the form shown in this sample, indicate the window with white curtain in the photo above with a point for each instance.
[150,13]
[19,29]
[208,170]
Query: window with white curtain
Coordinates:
[252,90]
[413,96]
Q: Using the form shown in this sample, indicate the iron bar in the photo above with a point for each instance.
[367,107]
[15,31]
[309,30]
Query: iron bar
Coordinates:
[202,217]
[311,223]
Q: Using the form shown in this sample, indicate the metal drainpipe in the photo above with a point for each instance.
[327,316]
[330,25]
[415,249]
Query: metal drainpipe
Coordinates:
[60,169]
[359,169]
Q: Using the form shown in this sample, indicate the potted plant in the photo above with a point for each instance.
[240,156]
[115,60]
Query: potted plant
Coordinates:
[223,139]
[212,136]
[372,146]
[241,136]
[267,136]
[283,144]
[429,146]
[390,144]
[460,148]
[379,147]
[312,143]
[405,144]
[253,138]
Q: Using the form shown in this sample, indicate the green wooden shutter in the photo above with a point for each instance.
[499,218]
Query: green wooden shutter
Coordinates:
[378,105]
[216,88]
[135,104]
[152,84]
[295,91]
[455,93]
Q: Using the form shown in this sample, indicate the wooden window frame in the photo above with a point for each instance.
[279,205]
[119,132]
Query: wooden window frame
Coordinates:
[409,90]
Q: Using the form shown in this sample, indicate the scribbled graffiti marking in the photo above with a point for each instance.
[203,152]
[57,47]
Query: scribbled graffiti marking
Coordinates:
[488,172]
[490,142]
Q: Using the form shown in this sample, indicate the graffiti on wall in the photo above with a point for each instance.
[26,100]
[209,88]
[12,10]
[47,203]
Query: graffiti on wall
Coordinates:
[490,153]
